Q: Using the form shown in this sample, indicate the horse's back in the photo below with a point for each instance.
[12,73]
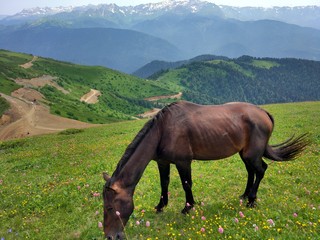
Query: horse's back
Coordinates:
[211,131]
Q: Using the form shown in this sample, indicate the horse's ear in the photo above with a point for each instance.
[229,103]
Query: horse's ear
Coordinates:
[105,176]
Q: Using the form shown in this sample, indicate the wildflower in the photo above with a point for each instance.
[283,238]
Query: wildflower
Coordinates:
[241,201]
[137,223]
[147,224]
[78,187]
[1,181]
[97,213]
[236,220]
[256,228]
[202,203]
[271,222]
[203,218]
[220,230]
[188,204]
[143,211]
[202,230]
[295,214]
[100,224]
[96,194]
[241,214]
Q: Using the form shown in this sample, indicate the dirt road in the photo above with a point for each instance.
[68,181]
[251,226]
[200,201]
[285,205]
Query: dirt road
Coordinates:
[27,118]
[91,97]
[156,98]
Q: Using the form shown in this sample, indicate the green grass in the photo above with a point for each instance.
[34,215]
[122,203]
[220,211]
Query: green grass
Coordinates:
[4,105]
[264,64]
[47,187]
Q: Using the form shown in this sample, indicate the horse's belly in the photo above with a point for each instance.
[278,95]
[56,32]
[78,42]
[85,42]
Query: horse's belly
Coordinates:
[215,149]
[214,154]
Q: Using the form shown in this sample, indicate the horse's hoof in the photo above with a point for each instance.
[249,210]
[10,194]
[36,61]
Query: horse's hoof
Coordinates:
[243,196]
[251,204]
[159,210]
[186,209]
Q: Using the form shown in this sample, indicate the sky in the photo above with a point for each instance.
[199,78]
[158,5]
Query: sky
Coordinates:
[10,7]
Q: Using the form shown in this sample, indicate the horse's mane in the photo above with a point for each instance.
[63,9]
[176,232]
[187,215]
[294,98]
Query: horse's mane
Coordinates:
[138,138]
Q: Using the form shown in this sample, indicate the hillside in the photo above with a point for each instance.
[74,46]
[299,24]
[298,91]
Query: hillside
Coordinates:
[50,187]
[119,49]
[61,85]
[256,80]
[156,67]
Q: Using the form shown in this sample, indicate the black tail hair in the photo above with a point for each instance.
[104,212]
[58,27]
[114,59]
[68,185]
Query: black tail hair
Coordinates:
[288,150]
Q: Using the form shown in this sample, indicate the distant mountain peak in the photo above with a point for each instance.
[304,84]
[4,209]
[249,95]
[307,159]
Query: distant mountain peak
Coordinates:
[43,11]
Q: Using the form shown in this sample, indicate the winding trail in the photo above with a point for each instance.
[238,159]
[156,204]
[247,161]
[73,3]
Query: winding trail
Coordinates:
[91,97]
[29,64]
[28,118]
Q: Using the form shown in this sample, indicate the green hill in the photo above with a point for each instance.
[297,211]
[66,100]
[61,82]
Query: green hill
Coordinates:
[122,94]
[255,80]
[50,185]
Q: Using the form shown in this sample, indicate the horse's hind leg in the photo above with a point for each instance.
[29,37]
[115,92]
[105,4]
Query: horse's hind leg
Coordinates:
[256,167]
[184,169]
[250,180]
[164,170]
[260,168]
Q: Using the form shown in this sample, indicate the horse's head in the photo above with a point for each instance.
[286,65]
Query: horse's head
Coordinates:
[118,206]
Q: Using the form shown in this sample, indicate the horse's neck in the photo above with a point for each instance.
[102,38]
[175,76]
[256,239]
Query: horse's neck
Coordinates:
[132,171]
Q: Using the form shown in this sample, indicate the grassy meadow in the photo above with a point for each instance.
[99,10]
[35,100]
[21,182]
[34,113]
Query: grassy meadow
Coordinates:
[50,187]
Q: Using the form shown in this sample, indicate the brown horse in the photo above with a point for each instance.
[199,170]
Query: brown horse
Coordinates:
[185,131]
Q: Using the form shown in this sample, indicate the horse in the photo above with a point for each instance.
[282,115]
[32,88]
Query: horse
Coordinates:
[182,132]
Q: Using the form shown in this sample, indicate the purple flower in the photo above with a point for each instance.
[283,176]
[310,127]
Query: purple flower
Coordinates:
[147,224]
[96,194]
[100,224]
[271,222]
[202,229]
[203,218]
[295,214]
[220,230]
[236,220]
[241,214]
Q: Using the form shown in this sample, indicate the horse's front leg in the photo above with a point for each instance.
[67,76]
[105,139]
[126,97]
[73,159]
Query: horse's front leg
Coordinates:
[164,170]
[184,169]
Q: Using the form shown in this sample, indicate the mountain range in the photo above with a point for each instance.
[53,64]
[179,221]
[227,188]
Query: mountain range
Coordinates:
[126,38]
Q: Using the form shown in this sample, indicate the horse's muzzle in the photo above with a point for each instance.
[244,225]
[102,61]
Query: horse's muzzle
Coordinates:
[118,236]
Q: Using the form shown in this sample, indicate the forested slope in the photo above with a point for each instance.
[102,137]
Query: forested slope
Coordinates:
[256,80]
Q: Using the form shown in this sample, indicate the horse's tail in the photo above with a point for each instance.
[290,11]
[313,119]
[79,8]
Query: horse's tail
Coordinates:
[288,150]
